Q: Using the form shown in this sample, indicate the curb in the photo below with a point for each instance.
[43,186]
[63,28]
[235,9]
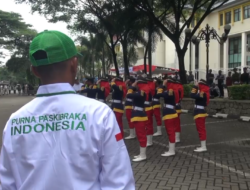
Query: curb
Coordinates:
[244,118]
[223,116]
[230,116]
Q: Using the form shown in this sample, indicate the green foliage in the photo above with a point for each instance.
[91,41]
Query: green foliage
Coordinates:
[6,75]
[14,32]
[239,92]
[93,52]
[107,18]
[16,36]
[187,90]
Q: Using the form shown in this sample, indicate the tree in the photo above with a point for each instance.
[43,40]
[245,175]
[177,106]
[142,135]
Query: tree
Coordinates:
[6,75]
[112,17]
[92,52]
[73,11]
[85,23]
[16,36]
[14,31]
[120,23]
[179,15]
[154,34]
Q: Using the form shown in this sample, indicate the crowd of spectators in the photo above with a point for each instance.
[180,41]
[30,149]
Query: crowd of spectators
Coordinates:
[217,90]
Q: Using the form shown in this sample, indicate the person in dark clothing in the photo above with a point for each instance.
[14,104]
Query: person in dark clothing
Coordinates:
[229,80]
[235,76]
[103,89]
[176,77]
[138,116]
[90,88]
[221,79]
[166,91]
[186,76]
[214,91]
[23,88]
[244,78]
[119,92]
[190,77]
[201,102]
[210,78]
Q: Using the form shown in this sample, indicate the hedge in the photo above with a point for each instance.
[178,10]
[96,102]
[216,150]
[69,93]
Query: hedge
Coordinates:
[187,90]
[239,92]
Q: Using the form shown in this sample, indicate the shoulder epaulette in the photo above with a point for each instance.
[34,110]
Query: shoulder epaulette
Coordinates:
[130,91]
[170,92]
[201,94]
[159,90]
[194,90]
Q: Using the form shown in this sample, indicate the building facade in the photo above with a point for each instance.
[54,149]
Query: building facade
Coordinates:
[226,56]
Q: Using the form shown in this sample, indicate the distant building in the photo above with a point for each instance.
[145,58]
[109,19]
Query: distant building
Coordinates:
[233,53]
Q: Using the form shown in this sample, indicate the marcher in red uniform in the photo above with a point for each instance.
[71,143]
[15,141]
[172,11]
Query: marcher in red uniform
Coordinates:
[169,114]
[129,108]
[180,90]
[172,84]
[146,87]
[201,101]
[139,117]
[103,89]
[157,108]
[119,90]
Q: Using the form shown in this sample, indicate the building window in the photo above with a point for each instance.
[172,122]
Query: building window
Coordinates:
[237,15]
[228,18]
[248,49]
[247,12]
[221,19]
[234,52]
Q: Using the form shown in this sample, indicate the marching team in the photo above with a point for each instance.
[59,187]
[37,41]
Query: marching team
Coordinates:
[142,103]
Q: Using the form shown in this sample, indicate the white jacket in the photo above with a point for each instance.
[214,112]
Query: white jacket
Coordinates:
[64,141]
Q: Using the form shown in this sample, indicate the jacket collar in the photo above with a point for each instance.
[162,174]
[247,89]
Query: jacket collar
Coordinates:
[55,89]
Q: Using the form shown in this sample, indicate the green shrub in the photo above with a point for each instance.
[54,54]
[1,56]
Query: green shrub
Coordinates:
[239,92]
[187,90]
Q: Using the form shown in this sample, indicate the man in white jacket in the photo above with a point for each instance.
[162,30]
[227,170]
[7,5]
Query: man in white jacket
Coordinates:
[61,140]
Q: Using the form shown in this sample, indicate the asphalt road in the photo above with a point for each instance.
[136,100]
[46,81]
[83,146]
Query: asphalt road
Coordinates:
[226,164]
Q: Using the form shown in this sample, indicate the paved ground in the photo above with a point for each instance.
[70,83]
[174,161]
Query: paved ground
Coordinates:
[226,166]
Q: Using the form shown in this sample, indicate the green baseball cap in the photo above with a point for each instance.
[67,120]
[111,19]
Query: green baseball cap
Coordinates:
[56,47]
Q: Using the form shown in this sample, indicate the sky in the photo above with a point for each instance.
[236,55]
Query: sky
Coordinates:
[38,22]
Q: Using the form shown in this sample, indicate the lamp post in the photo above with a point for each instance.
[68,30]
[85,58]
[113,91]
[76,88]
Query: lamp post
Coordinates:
[208,34]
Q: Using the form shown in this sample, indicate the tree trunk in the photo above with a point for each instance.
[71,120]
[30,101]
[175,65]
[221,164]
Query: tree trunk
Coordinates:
[93,67]
[125,57]
[103,62]
[115,60]
[182,72]
[150,32]
[145,59]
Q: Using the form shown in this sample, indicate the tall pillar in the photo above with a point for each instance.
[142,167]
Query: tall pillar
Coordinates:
[225,57]
[243,50]
[193,59]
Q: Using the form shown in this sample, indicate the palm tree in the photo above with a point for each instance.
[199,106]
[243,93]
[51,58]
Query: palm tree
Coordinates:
[154,34]
[90,53]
